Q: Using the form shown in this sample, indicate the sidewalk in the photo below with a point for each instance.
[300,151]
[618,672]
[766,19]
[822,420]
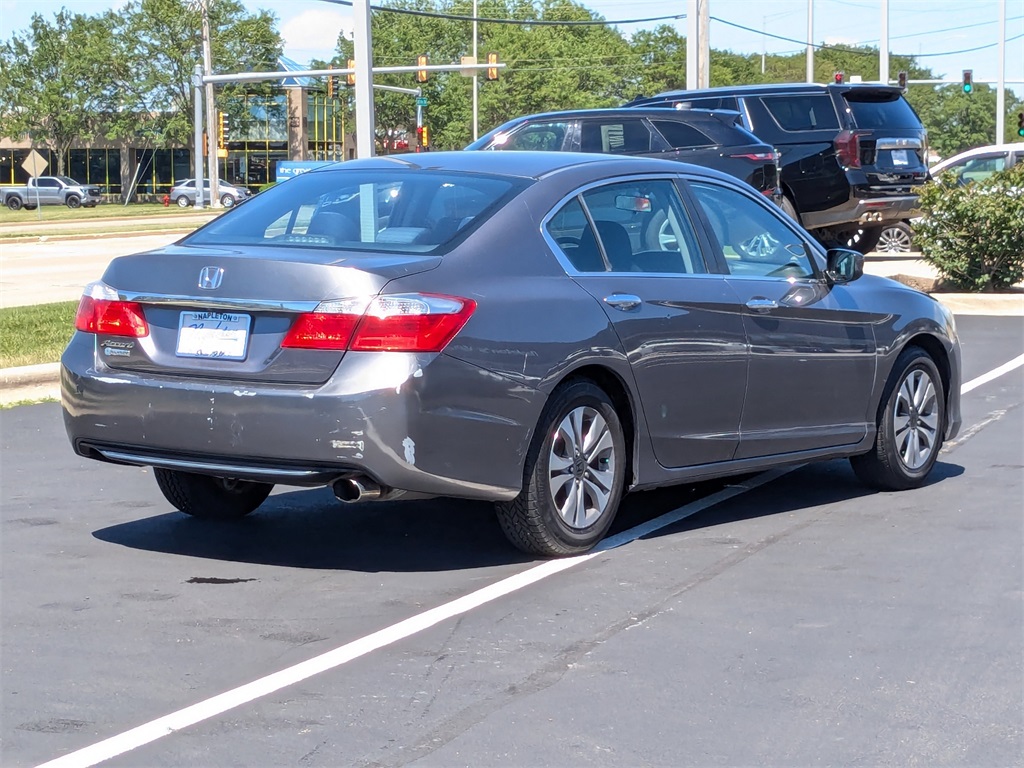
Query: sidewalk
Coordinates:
[42,382]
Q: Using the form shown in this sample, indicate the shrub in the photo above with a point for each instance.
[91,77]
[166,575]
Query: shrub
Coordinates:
[973,234]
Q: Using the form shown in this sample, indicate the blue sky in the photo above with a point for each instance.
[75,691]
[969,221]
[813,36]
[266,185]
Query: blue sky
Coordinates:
[939,32]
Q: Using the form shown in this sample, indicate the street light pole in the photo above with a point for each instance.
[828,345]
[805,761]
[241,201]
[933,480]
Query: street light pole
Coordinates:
[1001,86]
[363,39]
[810,41]
[476,80]
[211,109]
[197,119]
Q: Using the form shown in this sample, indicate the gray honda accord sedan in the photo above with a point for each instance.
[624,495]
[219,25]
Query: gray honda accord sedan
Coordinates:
[544,331]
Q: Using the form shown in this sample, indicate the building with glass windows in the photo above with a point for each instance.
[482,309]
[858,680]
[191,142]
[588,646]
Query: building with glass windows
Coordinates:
[295,122]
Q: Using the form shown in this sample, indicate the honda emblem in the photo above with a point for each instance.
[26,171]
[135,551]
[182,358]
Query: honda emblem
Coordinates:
[210,278]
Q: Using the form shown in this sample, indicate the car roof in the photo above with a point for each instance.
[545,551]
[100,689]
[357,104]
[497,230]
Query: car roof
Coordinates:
[763,88]
[990,149]
[531,165]
[654,111]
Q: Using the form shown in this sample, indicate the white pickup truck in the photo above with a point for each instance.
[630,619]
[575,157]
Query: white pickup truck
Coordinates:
[50,190]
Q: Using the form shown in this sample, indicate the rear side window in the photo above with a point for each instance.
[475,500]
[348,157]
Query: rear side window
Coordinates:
[618,137]
[882,110]
[397,211]
[806,112]
[680,135]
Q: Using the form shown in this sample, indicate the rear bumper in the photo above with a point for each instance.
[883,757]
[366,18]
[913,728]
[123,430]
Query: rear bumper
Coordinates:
[426,424]
[863,211]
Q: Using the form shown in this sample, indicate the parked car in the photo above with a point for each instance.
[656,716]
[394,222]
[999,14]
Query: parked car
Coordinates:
[184,193]
[50,190]
[543,330]
[714,139]
[852,154]
[980,163]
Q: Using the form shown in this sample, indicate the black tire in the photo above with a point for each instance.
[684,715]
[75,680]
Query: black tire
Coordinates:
[213,498]
[534,521]
[894,463]
[183,201]
[789,209]
[29,207]
[227,201]
[73,201]
[864,239]
[14,203]
[896,237]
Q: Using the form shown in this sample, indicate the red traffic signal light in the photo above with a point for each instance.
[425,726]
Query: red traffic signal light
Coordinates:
[838,77]
[968,81]
[421,74]
[492,69]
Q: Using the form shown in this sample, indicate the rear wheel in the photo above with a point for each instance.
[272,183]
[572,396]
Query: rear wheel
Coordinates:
[183,201]
[215,498]
[910,424]
[575,472]
[14,203]
[73,201]
[897,237]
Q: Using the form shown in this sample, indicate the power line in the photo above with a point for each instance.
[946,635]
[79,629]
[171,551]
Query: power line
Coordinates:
[519,22]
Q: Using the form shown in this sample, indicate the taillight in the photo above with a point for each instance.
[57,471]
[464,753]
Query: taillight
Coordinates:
[413,322]
[761,157]
[100,311]
[847,146]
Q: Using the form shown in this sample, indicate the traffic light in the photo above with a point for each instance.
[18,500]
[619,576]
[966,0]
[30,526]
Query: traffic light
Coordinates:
[492,69]
[424,137]
[350,78]
[902,78]
[223,129]
[838,77]
[330,83]
[968,81]
[421,74]
[1020,124]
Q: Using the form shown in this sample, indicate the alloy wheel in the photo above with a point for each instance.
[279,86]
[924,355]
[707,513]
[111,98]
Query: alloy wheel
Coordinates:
[582,466]
[916,419]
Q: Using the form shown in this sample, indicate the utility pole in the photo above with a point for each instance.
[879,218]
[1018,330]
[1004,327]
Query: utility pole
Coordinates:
[692,45]
[883,48]
[704,65]
[810,41]
[476,80]
[1001,86]
[211,110]
[363,39]
[197,119]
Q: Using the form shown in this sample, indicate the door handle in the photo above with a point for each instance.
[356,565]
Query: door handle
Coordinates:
[623,301]
[761,304]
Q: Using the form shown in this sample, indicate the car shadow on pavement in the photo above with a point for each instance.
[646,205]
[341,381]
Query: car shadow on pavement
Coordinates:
[311,529]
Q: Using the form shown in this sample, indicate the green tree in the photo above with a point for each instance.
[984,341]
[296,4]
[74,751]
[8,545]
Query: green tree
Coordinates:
[49,90]
[158,44]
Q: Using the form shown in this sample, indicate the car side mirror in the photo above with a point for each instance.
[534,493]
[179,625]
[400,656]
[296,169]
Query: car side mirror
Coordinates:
[843,265]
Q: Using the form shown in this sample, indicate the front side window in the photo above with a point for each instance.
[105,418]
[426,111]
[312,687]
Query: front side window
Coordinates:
[398,211]
[635,227]
[980,168]
[534,137]
[753,242]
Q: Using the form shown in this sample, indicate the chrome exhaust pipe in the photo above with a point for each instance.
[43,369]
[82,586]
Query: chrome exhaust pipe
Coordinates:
[353,489]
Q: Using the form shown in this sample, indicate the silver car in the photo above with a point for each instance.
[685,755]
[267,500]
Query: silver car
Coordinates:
[183,194]
[545,331]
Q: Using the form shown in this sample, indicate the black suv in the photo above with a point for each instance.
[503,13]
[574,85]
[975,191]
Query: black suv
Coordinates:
[714,139]
[852,154]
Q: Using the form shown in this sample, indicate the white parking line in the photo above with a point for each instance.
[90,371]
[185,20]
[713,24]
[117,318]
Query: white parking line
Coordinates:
[204,710]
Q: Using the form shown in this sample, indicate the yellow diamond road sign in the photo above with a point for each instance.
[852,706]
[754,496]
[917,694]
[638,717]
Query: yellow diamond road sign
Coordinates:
[34,164]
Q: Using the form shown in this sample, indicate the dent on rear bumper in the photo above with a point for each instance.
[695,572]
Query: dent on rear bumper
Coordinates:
[428,424]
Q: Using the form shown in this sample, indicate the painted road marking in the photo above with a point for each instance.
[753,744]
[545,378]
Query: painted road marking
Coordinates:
[204,710]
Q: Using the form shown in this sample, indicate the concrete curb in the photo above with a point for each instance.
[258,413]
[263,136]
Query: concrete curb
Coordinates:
[30,375]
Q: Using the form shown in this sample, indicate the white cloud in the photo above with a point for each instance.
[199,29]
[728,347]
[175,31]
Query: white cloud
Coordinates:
[314,33]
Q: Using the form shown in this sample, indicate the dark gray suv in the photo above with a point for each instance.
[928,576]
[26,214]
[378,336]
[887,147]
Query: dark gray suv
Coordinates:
[852,155]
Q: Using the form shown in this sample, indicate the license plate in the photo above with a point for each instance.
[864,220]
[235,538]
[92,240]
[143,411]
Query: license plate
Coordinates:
[900,157]
[213,334]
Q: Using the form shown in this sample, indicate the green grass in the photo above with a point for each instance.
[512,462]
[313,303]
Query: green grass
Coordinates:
[38,334]
[119,229]
[103,211]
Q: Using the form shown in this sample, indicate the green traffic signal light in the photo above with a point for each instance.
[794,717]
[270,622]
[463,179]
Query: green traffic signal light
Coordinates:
[968,81]
[1020,124]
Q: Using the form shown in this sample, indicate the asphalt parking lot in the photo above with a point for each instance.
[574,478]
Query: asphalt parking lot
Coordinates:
[801,620]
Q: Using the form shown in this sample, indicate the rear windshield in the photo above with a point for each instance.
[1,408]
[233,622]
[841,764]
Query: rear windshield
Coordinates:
[403,211]
[882,110]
